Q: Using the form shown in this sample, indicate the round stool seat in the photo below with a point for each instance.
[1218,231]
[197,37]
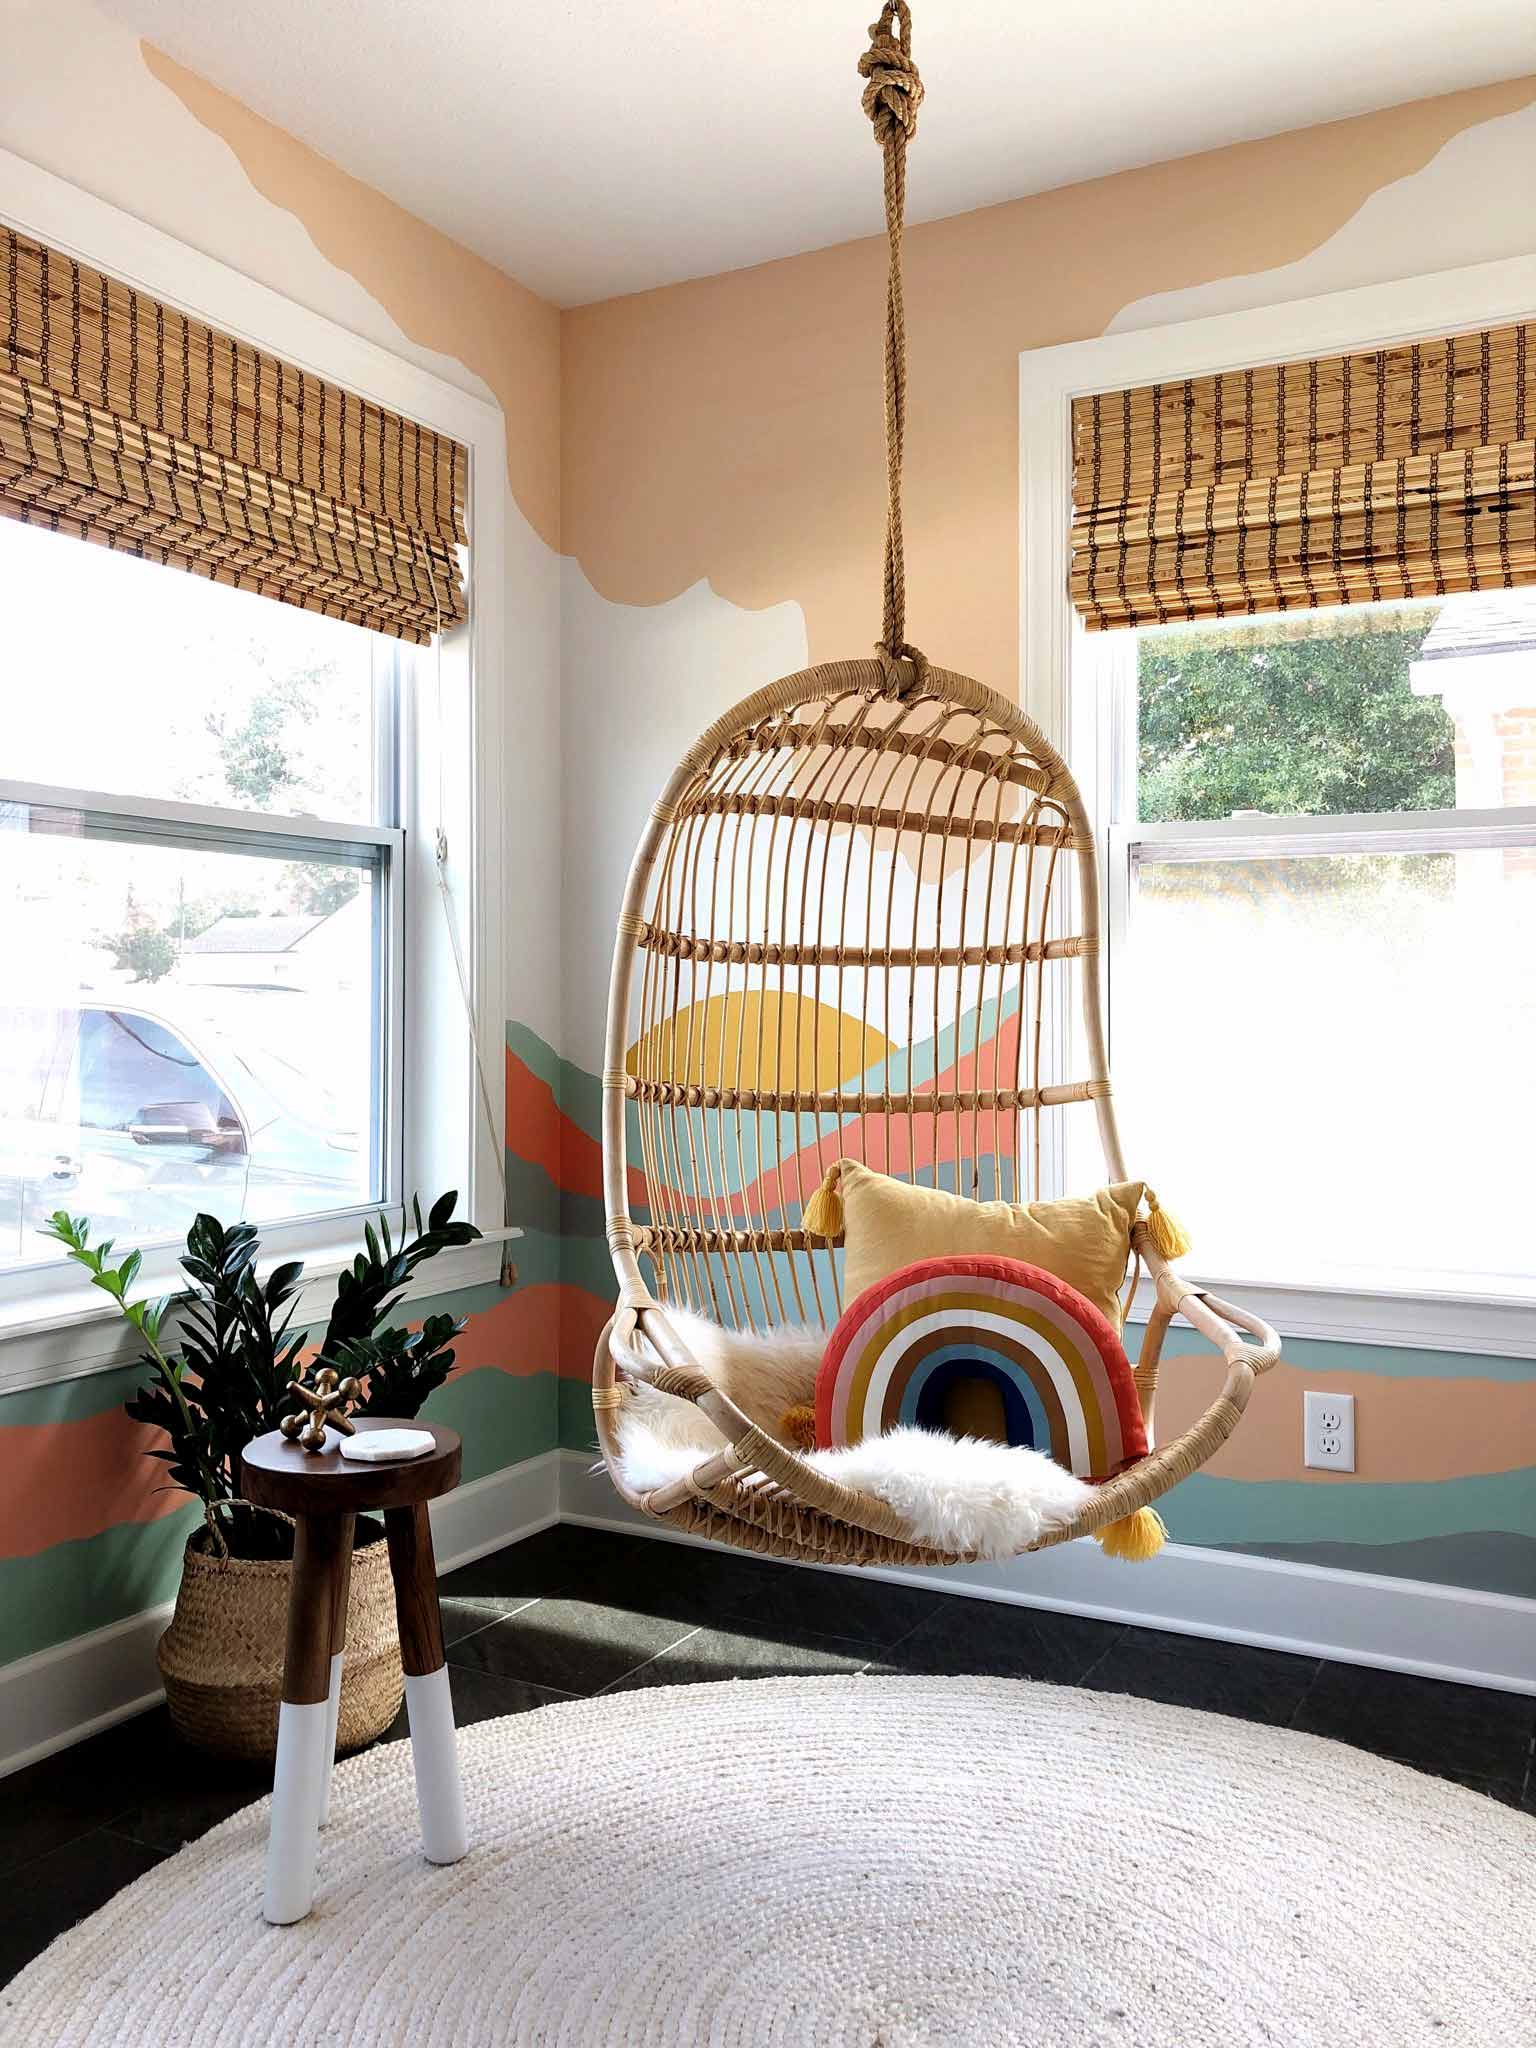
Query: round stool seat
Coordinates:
[278,1474]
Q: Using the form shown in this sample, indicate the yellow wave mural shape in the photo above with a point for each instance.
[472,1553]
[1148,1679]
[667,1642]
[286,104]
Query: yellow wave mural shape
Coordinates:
[766,1038]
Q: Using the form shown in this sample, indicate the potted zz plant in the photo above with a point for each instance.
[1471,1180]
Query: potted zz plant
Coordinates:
[219,1369]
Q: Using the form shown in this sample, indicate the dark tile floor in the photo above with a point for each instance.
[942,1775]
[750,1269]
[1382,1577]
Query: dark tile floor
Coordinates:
[574,1612]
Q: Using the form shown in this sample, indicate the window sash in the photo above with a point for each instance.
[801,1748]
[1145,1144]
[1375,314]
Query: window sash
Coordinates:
[1128,847]
[217,827]
[214,828]
[1266,837]
[1369,1305]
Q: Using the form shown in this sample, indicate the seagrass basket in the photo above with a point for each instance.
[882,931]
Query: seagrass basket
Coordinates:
[222,1656]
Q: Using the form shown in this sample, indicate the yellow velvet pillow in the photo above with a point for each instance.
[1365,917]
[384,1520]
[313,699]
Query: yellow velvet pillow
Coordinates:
[888,1224]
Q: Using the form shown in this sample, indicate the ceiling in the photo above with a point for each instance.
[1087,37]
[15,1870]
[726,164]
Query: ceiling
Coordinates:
[593,148]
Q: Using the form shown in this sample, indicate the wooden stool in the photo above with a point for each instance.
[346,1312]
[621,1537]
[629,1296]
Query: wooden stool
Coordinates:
[325,1493]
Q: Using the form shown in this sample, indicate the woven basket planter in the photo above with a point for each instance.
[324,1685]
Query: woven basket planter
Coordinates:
[222,1656]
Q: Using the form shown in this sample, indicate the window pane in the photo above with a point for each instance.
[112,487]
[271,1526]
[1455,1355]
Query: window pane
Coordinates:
[1325,1064]
[190,1028]
[139,680]
[1366,709]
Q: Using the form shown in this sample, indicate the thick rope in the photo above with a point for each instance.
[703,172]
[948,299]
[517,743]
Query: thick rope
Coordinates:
[893,92]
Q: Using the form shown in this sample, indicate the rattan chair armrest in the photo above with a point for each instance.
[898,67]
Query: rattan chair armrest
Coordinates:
[676,1370]
[678,1373]
[1237,1333]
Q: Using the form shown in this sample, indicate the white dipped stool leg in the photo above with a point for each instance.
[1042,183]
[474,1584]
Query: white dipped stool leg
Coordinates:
[435,1755]
[298,1789]
[434,1745]
[304,1718]
[332,1719]
[341,1594]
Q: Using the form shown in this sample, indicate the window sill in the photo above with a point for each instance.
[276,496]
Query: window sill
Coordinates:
[1481,1325]
[76,1331]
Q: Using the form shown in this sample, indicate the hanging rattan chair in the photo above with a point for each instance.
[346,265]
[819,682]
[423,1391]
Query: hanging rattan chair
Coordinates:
[845,933]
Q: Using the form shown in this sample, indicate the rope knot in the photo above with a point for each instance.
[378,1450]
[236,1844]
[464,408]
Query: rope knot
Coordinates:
[904,670]
[893,92]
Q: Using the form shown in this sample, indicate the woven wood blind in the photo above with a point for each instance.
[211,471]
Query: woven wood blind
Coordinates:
[126,423]
[1401,472]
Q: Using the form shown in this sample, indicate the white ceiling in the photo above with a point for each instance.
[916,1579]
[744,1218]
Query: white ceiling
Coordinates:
[593,147]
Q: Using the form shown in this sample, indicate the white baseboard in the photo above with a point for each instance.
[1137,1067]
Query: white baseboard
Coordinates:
[504,1507]
[70,1690]
[1312,1610]
[74,1689]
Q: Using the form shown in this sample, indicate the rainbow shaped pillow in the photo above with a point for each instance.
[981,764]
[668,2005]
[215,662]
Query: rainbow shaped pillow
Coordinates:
[943,1342]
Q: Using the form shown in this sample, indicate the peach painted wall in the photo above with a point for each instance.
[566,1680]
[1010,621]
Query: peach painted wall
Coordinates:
[731,428]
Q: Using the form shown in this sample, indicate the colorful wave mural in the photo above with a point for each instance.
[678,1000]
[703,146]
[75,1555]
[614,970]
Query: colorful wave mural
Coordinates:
[1445,1488]
[91,1532]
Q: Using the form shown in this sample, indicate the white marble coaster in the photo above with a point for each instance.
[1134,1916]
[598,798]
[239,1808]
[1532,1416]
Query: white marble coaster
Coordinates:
[382,1446]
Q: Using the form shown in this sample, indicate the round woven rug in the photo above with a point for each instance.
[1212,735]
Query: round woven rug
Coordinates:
[845,1862]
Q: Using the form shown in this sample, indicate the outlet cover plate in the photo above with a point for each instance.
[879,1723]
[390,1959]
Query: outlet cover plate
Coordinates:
[1328,1432]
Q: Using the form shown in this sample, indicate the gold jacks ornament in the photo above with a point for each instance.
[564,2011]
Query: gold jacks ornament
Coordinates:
[329,1402]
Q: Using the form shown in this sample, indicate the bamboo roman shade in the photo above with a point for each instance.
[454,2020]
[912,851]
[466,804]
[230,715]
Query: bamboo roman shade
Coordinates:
[1399,472]
[125,422]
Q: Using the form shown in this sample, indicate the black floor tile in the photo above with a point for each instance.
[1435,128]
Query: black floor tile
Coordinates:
[1255,1685]
[876,1611]
[463,1617]
[68,1794]
[63,1887]
[175,1794]
[481,1696]
[1505,1791]
[710,1654]
[1424,1721]
[985,1638]
[676,1581]
[1167,1641]
[509,1578]
[571,1645]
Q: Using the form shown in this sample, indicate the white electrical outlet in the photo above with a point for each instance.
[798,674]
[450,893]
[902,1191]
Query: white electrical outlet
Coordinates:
[1328,1432]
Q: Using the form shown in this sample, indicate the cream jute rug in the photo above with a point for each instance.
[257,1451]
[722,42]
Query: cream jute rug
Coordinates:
[842,1862]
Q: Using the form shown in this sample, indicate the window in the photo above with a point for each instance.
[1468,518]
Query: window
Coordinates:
[201,904]
[239,974]
[1314,815]
[1321,885]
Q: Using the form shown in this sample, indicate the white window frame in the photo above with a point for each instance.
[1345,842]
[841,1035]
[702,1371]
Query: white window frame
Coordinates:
[450,729]
[1064,686]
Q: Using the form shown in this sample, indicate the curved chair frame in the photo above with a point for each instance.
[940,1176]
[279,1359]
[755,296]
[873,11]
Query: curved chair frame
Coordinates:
[949,777]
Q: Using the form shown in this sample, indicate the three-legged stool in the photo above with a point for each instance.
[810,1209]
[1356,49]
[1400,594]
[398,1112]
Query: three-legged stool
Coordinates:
[325,1493]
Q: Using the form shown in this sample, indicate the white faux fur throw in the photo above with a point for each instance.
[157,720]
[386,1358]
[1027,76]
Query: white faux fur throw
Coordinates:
[958,1493]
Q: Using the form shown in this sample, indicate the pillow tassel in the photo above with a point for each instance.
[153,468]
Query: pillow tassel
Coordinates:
[1167,1232]
[797,1427]
[824,1211]
[1134,1537]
